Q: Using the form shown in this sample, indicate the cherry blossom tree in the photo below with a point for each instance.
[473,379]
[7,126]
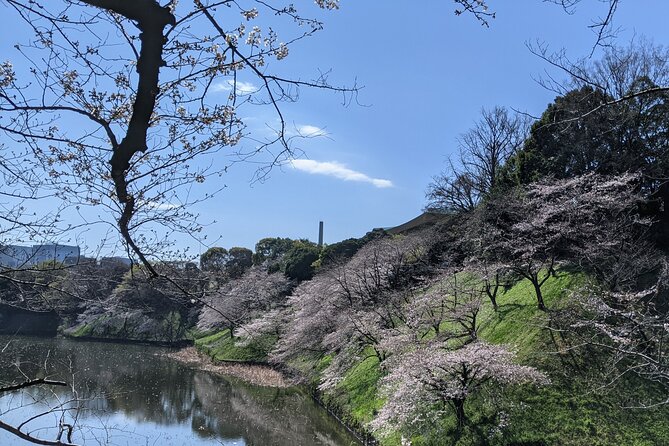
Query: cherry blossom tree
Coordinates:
[348,309]
[432,380]
[447,308]
[630,328]
[494,278]
[131,122]
[310,318]
[269,325]
[239,301]
[374,287]
[348,303]
[576,220]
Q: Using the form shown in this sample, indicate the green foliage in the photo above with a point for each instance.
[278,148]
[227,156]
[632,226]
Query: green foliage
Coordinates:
[240,259]
[295,258]
[82,331]
[172,326]
[232,262]
[340,250]
[575,136]
[271,248]
[214,259]
[298,261]
[346,248]
[565,150]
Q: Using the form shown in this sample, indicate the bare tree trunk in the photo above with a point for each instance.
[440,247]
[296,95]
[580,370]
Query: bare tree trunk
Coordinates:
[491,290]
[540,297]
[460,412]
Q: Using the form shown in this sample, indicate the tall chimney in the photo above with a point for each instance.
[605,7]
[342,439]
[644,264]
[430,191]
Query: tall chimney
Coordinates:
[320,233]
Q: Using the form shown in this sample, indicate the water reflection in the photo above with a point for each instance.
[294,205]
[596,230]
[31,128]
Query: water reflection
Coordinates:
[128,394]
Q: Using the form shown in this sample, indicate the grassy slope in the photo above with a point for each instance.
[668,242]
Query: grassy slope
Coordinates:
[568,412]
[571,411]
[356,395]
[219,346]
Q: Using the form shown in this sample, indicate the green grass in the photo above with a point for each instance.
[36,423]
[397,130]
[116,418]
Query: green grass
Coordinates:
[571,411]
[355,398]
[517,321]
[360,389]
[82,331]
[221,347]
[85,330]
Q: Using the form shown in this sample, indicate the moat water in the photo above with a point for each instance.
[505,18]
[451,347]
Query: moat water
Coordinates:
[120,394]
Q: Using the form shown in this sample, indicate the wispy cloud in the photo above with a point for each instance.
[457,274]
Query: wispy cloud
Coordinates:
[310,131]
[338,170]
[243,88]
[158,206]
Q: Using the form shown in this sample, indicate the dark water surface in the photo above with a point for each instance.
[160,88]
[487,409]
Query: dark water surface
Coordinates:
[130,395]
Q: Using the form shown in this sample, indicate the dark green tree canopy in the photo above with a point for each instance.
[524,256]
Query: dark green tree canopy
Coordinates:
[214,259]
[298,262]
[232,262]
[271,248]
[611,118]
[240,259]
[569,140]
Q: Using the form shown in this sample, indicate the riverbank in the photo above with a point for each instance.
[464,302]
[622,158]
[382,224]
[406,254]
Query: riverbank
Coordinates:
[259,375]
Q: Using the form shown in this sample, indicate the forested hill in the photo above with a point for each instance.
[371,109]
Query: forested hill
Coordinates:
[537,318]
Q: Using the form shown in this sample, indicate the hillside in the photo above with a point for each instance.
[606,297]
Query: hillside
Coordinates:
[583,403]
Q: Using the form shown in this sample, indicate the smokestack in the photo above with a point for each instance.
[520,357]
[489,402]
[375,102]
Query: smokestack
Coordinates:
[320,233]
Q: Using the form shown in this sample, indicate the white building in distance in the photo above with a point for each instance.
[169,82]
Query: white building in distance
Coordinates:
[15,256]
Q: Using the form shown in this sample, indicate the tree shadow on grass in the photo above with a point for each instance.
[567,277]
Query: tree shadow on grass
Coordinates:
[503,310]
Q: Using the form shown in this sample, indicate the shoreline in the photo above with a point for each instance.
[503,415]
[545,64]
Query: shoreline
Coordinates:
[256,374]
[259,375]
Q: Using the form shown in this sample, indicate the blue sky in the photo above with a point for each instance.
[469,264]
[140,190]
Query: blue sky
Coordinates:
[426,75]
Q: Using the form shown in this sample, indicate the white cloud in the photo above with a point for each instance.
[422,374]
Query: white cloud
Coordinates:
[158,206]
[310,131]
[243,88]
[338,170]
